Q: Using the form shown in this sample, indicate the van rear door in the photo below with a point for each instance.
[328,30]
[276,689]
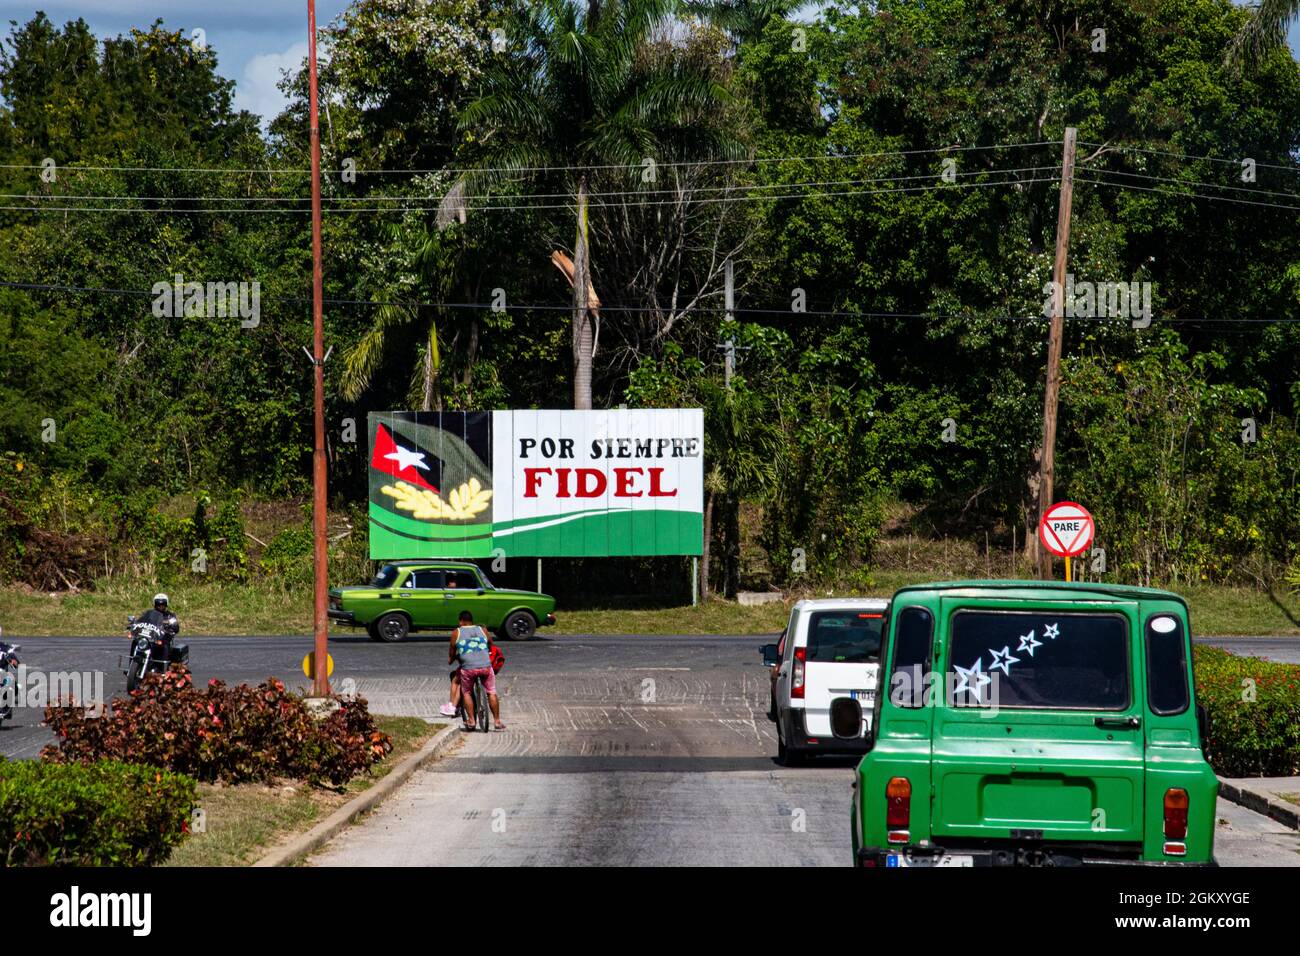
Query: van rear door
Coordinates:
[1040,734]
[843,660]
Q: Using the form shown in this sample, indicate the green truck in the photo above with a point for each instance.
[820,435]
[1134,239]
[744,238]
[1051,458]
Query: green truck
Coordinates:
[408,596]
[1033,724]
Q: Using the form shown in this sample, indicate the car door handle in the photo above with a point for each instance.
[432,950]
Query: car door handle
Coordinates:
[1117,723]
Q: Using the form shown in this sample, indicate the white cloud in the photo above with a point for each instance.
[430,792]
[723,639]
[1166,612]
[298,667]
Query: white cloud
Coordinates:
[256,91]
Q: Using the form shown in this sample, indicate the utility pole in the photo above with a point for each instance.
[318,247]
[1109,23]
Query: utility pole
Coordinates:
[1047,463]
[321,685]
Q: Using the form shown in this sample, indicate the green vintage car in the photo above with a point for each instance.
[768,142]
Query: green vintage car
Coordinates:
[1033,723]
[408,596]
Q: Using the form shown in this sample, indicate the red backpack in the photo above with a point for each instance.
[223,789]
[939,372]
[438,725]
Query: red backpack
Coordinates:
[498,659]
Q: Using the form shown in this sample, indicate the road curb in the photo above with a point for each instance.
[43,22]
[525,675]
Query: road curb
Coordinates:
[301,846]
[1261,802]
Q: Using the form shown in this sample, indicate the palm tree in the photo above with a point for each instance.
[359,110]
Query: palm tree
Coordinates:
[743,19]
[1264,31]
[574,97]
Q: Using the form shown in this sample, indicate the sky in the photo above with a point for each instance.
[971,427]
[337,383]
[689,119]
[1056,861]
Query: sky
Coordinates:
[253,39]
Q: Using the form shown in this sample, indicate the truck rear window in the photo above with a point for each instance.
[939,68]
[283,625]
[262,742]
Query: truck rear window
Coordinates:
[845,637]
[1031,659]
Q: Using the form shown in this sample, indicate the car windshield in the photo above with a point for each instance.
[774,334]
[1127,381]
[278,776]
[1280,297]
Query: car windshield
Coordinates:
[845,637]
[1046,660]
[386,576]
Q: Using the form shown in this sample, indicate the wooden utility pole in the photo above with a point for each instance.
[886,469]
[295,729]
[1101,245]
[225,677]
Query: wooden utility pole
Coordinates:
[1047,461]
[320,685]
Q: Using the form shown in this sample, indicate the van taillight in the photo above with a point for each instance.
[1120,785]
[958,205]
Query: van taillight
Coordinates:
[796,676]
[1176,803]
[898,808]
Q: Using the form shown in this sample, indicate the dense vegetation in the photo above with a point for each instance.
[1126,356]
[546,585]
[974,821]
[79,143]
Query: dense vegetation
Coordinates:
[221,733]
[808,153]
[102,813]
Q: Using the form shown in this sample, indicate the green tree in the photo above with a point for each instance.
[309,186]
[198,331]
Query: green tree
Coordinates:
[574,96]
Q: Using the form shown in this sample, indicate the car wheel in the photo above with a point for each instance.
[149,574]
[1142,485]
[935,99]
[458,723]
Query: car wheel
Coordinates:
[520,626]
[786,756]
[392,628]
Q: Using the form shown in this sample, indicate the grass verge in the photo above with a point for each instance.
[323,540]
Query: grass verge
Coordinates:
[243,822]
[261,609]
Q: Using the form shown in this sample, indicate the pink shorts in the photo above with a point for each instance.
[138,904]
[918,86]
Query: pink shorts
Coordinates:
[467,679]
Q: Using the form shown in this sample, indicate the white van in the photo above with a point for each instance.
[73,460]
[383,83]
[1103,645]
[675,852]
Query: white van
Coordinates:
[830,649]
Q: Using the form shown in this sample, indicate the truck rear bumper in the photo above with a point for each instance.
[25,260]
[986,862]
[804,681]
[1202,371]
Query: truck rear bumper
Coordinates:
[939,857]
[799,739]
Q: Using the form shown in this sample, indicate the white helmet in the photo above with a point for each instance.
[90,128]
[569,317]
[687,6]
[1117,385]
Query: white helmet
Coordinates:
[160,599]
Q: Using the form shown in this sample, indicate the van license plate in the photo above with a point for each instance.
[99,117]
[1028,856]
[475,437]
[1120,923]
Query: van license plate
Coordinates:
[948,859]
[863,695]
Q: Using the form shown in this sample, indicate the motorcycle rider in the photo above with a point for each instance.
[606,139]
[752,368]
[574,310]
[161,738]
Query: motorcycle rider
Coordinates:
[164,623]
[160,616]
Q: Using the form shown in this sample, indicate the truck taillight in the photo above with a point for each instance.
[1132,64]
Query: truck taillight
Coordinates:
[1176,804]
[898,808]
[796,675]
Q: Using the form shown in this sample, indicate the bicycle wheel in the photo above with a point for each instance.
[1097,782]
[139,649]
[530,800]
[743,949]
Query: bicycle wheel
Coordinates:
[482,714]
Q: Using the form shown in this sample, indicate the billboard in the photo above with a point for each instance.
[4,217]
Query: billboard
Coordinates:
[528,483]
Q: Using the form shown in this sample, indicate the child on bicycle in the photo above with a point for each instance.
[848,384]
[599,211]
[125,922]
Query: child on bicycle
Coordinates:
[471,647]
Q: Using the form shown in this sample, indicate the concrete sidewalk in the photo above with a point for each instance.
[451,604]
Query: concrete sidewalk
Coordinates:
[1266,795]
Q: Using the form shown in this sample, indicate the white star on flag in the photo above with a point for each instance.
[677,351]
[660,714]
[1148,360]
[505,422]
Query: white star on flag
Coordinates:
[406,458]
[976,671]
[1027,643]
[1001,659]
[1051,630]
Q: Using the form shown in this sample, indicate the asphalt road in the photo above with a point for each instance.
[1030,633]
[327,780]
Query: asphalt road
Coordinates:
[619,750]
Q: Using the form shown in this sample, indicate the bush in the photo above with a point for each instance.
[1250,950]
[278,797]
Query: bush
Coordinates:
[230,734]
[1254,708]
[98,814]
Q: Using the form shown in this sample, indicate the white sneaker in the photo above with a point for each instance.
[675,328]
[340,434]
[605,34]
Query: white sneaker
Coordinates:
[447,710]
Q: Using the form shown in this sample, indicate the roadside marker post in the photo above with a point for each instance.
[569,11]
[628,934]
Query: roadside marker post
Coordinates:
[1066,530]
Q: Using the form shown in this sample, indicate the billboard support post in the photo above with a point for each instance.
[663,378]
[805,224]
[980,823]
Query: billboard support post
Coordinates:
[695,581]
[539,576]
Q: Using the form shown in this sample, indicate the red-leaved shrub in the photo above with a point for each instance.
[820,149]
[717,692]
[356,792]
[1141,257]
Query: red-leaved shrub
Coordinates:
[231,734]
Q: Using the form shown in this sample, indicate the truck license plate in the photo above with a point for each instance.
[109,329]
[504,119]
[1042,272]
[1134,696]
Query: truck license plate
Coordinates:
[948,859]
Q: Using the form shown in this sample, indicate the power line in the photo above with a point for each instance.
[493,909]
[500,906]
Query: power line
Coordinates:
[1181,195]
[1212,159]
[515,207]
[1188,182]
[562,195]
[771,312]
[530,169]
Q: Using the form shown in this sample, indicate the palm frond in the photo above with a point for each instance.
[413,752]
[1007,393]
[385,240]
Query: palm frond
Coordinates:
[362,360]
[1263,32]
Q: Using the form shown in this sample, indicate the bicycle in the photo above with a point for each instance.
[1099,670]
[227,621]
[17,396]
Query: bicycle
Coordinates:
[482,712]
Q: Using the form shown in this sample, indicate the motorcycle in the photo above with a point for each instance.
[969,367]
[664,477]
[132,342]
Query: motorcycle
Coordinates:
[152,649]
[10,689]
